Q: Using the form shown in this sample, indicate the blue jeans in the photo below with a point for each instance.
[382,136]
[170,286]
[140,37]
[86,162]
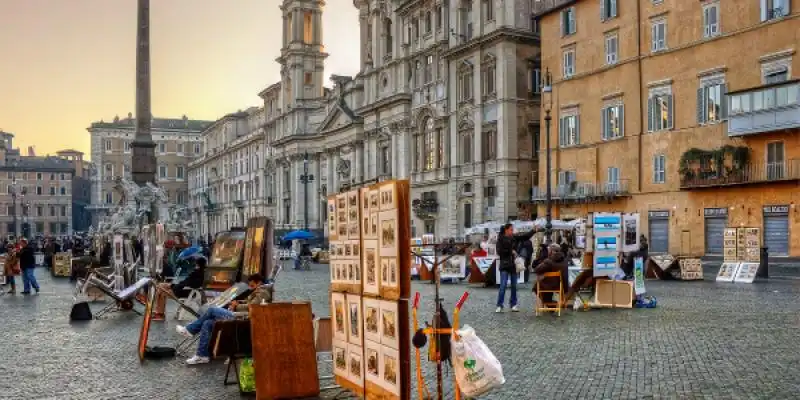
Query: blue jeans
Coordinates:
[204,325]
[501,294]
[29,279]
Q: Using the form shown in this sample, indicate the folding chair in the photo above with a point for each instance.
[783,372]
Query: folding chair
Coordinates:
[123,300]
[549,306]
[323,341]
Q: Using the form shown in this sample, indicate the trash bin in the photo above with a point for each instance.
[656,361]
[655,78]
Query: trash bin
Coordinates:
[763,267]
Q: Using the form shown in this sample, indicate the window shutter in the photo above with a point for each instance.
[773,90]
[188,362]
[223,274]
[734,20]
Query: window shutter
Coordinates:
[561,177]
[564,25]
[650,114]
[577,139]
[653,37]
[670,111]
[604,124]
[613,4]
[621,120]
[725,103]
[764,11]
[561,131]
[787,7]
[602,10]
[655,169]
[572,26]
[701,97]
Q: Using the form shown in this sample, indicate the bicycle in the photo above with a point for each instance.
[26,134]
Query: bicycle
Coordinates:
[305,263]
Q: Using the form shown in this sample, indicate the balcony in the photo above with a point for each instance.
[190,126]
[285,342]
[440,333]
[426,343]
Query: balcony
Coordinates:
[769,108]
[748,174]
[581,192]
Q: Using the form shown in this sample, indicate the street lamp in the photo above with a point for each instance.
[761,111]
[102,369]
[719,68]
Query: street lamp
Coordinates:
[547,87]
[14,195]
[305,179]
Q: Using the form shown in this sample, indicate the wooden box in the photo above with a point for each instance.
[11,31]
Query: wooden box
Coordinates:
[284,354]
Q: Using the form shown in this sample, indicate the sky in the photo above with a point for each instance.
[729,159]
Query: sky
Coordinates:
[67,63]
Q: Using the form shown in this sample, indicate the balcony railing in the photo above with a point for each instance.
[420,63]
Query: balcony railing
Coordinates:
[765,109]
[788,170]
[581,192]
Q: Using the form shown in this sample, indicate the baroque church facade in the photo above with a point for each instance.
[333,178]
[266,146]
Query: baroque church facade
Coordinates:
[447,96]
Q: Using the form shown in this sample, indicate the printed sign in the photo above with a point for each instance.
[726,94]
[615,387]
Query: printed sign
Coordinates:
[776,210]
[659,214]
[715,212]
[638,275]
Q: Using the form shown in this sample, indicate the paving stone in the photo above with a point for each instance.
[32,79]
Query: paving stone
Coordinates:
[706,340]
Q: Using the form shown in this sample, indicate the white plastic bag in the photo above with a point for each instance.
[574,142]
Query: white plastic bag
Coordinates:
[477,369]
[193,302]
[520,264]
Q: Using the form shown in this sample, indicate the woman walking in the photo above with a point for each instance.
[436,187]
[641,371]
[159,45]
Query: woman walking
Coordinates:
[11,268]
[506,243]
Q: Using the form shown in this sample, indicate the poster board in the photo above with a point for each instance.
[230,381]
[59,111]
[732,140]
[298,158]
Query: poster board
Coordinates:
[148,314]
[607,243]
[727,271]
[746,272]
[630,232]
[370,242]
[62,264]
[691,269]
[638,276]
[257,248]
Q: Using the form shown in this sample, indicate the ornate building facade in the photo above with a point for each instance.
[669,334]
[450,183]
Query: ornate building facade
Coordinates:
[447,96]
[177,143]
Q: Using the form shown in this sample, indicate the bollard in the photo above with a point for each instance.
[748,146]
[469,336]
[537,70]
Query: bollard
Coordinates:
[763,267]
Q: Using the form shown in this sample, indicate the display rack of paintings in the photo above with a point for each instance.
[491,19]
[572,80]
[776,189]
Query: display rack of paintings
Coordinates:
[752,245]
[62,264]
[607,238]
[257,248]
[226,260]
[369,232]
[729,253]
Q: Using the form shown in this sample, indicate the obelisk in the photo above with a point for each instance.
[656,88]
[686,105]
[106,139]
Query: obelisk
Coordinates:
[143,161]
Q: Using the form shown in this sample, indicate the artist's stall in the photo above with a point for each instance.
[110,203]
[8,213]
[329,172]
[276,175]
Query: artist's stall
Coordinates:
[742,255]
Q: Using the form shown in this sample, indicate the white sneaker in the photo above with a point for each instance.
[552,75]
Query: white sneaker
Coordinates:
[515,309]
[198,360]
[498,309]
[183,332]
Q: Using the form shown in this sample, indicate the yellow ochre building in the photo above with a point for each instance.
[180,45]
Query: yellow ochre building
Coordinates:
[685,111]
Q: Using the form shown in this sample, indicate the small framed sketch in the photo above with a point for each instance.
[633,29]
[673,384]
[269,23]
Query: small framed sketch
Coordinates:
[332,217]
[373,225]
[372,355]
[356,249]
[354,320]
[340,359]
[390,370]
[387,227]
[388,272]
[371,275]
[372,319]
[355,364]
[339,312]
[374,202]
[332,266]
[389,324]
[364,193]
[388,196]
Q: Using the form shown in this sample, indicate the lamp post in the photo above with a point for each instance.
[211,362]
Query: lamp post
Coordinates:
[305,179]
[548,227]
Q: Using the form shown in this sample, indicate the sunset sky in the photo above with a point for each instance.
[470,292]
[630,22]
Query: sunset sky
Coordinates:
[66,63]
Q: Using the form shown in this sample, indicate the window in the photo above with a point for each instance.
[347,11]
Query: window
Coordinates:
[127,146]
[613,178]
[467,215]
[415,27]
[430,145]
[776,75]
[63,211]
[613,120]
[63,176]
[428,22]
[658,35]
[535,82]
[659,111]
[775,160]
[659,168]
[39,190]
[197,148]
[386,160]
[489,75]
[568,24]
[569,63]
[162,171]
[52,190]
[63,191]
[181,197]
[107,143]
[608,9]
[179,172]
[308,28]
[774,9]
[180,149]
[38,176]
[162,147]
[490,143]
[465,81]
[466,145]
[308,79]
[440,142]
[64,228]
[488,10]
[711,20]
[466,19]
[388,36]
[52,211]
[53,228]
[39,211]
[569,131]
[428,69]
[612,49]
[711,105]
[490,192]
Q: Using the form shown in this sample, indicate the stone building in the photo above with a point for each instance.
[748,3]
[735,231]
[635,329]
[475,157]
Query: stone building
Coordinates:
[81,189]
[226,183]
[682,111]
[178,142]
[35,193]
[446,96]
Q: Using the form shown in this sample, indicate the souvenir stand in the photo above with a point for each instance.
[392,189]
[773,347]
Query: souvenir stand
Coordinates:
[224,267]
[370,242]
[741,255]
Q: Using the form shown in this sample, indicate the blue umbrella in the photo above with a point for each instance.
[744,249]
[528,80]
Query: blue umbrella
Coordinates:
[298,235]
[189,253]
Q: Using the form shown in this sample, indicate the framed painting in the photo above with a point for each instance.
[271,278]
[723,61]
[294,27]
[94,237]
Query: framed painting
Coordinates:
[355,364]
[373,225]
[254,260]
[340,359]
[390,370]
[332,218]
[388,196]
[372,355]
[352,206]
[338,311]
[364,193]
[388,273]
[374,200]
[228,249]
[354,320]
[387,227]
[372,319]
[390,331]
[370,263]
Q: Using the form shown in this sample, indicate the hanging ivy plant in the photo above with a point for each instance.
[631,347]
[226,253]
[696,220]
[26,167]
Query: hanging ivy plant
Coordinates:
[691,163]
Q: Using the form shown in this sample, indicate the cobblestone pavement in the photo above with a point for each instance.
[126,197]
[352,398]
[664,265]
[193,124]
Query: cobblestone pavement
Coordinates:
[705,340]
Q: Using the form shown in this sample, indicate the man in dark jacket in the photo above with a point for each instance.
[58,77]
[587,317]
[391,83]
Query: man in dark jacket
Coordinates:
[180,290]
[506,243]
[27,262]
[555,262]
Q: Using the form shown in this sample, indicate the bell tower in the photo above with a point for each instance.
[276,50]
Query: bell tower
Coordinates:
[302,54]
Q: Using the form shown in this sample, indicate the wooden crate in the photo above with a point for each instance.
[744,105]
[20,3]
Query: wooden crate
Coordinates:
[618,294]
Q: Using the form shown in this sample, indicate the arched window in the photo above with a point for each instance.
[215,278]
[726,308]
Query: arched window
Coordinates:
[466,148]
[489,75]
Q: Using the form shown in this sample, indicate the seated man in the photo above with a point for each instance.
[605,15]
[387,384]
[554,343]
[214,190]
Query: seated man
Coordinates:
[555,262]
[180,289]
[258,293]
